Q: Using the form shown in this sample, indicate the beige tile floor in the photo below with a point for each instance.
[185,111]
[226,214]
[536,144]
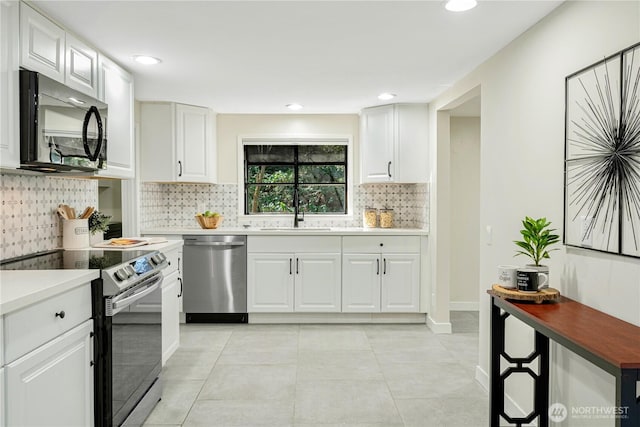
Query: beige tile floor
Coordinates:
[323,375]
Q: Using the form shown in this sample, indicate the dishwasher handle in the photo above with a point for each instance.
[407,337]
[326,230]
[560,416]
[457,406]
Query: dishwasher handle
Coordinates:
[192,243]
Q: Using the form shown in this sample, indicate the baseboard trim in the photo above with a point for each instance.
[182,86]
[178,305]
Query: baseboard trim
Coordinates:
[464,306]
[438,328]
[510,405]
[482,377]
[266,318]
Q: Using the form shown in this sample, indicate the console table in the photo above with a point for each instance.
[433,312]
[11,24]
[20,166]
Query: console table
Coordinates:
[607,342]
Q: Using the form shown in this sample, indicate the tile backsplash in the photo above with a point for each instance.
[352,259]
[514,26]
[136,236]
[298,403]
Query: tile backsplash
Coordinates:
[174,205]
[29,222]
[27,210]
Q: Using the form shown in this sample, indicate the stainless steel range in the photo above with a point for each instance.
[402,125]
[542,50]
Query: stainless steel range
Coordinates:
[128,337]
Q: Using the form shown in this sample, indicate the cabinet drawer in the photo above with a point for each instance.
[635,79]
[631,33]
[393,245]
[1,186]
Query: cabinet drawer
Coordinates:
[36,324]
[173,259]
[296,244]
[378,244]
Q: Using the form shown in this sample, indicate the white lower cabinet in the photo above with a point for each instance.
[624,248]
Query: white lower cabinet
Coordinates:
[53,384]
[306,279]
[170,315]
[269,282]
[361,279]
[379,276]
[317,282]
[400,283]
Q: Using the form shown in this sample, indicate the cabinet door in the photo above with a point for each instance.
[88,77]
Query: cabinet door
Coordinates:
[81,67]
[317,282]
[170,316]
[53,384]
[400,283]
[42,44]
[193,140]
[9,111]
[158,161]
[378,147]
[361,283]
[270,282]
[116,89]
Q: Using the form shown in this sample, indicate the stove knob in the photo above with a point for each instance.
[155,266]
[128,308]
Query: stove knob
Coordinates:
[130,270]
[121,274]
[162,257]
[156,259]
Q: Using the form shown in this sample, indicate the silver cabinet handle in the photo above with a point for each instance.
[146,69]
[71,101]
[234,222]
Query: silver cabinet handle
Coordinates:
[389,169]
[384,266]
[290,266]
[297,266]
[190,243]
[180,168]
[378,266]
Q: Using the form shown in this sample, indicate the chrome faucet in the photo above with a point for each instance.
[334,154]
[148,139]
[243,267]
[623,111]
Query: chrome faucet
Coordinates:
[296,209]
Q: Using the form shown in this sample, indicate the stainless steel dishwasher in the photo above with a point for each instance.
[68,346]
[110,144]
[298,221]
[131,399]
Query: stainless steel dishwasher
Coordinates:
[215,278]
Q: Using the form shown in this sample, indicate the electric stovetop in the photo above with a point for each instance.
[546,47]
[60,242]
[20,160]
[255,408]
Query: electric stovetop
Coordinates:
[60,259]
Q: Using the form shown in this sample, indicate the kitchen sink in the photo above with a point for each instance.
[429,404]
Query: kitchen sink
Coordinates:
[295,229]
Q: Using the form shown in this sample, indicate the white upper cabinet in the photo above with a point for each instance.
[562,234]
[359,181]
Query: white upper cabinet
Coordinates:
[394,143]
[116,89]
[42,44]
[194,144]
[81,70]
[177,143]
[46,48]
[9,59]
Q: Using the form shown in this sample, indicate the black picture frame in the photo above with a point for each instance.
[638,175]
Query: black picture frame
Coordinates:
[602,155]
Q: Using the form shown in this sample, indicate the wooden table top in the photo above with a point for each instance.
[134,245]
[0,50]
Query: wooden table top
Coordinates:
[581,328]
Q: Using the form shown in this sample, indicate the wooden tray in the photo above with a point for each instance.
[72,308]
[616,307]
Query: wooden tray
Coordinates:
[547,294]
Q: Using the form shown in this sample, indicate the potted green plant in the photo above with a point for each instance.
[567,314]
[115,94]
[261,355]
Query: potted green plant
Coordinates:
[98,224]
[536,239]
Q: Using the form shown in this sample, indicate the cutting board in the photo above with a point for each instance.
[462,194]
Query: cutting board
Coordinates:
[129,242]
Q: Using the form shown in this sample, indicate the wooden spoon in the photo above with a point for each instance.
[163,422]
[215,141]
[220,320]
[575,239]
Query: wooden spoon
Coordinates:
[86,213]
[62,212]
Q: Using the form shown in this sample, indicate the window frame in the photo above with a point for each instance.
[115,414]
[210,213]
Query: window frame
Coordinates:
[290,140]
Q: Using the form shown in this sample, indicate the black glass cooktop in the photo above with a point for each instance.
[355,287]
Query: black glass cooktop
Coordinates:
[71,260]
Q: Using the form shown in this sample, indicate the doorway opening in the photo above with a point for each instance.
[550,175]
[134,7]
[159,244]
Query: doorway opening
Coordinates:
[464,275]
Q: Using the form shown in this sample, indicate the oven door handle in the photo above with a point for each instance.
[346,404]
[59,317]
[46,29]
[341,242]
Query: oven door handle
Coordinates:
[118,305]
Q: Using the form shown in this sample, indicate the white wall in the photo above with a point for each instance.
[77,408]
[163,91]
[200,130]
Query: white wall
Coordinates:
[522,155]
[231,126]
[465,212]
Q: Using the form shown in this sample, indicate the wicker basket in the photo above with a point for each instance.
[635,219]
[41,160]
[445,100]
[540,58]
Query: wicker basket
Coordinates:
[210,221]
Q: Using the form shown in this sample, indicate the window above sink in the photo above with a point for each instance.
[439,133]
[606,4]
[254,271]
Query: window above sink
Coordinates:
[318,168]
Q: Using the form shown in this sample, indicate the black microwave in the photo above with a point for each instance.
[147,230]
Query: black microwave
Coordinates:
[61,129]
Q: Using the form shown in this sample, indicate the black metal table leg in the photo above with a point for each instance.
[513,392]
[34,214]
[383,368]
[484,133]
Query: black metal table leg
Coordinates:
[541,383]
[627,400]
[496,394]
[522,365]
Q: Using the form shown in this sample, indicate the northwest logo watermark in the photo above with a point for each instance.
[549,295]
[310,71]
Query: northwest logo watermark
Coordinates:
[559,412]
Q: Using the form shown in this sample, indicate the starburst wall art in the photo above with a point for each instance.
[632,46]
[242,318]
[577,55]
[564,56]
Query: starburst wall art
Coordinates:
[602,155]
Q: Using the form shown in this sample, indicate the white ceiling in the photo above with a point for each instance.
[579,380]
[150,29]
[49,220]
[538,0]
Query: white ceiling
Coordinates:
[330,56]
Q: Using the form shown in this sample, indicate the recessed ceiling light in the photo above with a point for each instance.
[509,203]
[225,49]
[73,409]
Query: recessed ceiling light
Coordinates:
[386,96]
[294,107]
[460,5]
[146,60]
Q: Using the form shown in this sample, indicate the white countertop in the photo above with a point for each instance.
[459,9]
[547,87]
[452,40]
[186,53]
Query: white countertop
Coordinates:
[278,231]
[168,245]
[19,289]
